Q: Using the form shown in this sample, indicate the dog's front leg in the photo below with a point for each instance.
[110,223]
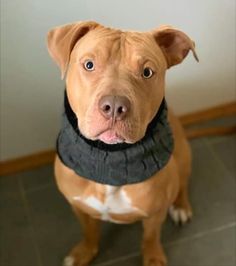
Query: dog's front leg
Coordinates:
[153,254]
[83,253]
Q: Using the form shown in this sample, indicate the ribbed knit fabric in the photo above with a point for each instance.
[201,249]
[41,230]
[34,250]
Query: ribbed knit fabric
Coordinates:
[117,164]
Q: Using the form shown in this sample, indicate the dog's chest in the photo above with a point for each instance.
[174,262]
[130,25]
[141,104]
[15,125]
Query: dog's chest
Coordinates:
[114,206]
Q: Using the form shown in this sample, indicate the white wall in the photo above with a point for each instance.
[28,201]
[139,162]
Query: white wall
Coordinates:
[31,89]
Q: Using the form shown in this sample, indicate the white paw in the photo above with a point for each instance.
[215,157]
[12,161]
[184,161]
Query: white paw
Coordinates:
[68,261]
[179,215]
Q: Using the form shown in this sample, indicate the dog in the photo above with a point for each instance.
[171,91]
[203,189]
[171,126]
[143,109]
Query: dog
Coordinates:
[122,155]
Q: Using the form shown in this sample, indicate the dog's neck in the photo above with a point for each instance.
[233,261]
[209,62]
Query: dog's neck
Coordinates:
[116,164]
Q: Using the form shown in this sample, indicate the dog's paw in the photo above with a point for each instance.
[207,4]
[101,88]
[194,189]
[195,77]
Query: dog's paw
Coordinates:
[81,255]
[180,216]
[68,261]
[155,261]
[153,254]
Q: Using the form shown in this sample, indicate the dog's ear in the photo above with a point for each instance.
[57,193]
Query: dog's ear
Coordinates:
[61,41]
[174,44]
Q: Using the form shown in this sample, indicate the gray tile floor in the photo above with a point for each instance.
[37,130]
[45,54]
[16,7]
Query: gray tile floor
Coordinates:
[37,227]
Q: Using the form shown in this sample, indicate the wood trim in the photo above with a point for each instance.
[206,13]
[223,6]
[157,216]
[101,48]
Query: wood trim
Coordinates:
[46,157]
[219,111]
[202,132]
[26,163]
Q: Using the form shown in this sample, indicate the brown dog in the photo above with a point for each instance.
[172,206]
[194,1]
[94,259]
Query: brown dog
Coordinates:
[115,112]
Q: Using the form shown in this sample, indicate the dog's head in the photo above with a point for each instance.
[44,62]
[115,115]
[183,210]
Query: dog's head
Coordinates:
[115,79]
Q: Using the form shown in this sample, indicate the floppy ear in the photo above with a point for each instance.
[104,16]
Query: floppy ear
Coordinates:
[174,44]
[61,41]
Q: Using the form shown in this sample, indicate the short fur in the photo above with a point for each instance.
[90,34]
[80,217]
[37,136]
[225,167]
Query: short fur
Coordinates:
[119,58]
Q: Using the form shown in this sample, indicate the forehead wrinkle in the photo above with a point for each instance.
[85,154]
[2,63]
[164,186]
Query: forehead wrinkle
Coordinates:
[111,53]
[106,37]
[142,47]
[100,43]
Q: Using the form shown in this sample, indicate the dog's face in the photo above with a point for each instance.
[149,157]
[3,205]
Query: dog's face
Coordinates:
[115,79]
[115,83]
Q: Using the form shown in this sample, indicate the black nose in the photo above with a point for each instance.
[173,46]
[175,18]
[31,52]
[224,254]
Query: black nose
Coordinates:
[116,107]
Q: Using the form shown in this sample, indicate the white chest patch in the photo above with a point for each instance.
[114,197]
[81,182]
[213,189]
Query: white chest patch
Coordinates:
[116,202]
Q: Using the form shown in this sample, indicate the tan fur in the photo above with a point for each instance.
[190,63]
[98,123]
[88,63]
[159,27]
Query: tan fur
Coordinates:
[119,59]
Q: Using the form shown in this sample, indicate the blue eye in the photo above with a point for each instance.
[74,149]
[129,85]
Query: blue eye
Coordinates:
[89,65]
[147,73]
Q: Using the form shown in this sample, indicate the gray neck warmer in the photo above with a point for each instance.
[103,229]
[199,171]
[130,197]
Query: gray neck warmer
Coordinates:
[116,164]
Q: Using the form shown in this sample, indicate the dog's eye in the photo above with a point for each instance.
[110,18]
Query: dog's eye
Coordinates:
[89,65]
[147,73]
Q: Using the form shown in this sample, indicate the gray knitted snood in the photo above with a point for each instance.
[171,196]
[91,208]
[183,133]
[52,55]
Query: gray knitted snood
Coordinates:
[117,164]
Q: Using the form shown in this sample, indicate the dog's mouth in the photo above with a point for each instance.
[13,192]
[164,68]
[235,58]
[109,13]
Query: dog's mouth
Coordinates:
[110,137]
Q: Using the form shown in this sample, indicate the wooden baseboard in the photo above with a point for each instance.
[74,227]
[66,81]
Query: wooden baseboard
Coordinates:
[39,159]
[27,162]
[228,109]
[213,131]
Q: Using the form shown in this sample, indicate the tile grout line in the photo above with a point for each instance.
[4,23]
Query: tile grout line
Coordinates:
[217,139]
[202,234]
[120,259]
[40,187]
[181,240]
[1,250]
[31,227]
[214,154]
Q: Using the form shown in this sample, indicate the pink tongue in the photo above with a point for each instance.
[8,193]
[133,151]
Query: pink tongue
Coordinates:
[110,137]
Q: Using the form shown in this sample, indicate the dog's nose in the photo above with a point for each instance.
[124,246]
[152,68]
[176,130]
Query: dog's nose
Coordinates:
[116,107]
